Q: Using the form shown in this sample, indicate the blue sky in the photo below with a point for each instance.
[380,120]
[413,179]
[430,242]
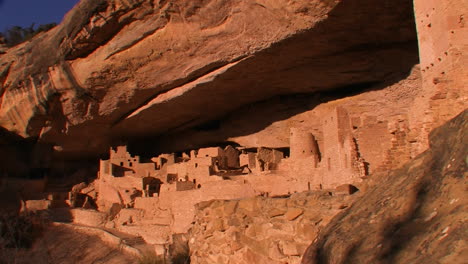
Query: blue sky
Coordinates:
[25,12]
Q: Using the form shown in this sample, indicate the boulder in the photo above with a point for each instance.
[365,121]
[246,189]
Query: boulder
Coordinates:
[345,189]
[293,213]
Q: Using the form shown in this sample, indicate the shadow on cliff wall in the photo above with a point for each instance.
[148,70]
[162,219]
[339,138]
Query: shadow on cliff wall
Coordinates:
[244,121]
[363,45]
[26,160]
[14,153]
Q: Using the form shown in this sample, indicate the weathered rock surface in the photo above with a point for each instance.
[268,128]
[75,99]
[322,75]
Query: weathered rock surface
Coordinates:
[416,214]
[261,230]
[117,70]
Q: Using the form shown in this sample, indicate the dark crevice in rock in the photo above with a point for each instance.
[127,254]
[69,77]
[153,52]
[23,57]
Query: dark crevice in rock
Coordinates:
[3,76]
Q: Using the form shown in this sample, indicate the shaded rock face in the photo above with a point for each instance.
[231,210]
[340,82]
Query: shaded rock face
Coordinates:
[3,46]
[375,114]
[413,215]
[122,70]
[14,152]
[54,247]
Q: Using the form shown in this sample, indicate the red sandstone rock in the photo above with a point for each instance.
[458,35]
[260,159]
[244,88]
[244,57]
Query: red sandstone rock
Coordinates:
[293,213]
[134,69]
[121,76]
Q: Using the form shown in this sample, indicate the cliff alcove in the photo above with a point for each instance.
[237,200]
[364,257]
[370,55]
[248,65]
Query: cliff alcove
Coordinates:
[308,47]
[257,126]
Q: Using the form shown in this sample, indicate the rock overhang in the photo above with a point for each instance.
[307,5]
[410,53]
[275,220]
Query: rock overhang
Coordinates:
[341,45]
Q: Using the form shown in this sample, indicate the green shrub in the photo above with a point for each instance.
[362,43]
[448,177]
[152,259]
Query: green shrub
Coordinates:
[16,34]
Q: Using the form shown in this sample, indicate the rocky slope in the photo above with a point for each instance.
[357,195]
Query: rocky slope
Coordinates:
[261,230]
[416,214]
[114,70]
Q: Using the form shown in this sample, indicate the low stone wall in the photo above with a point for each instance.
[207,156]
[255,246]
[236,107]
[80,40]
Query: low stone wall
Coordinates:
[182,204]
[261,230]
[87,217]
[36,205]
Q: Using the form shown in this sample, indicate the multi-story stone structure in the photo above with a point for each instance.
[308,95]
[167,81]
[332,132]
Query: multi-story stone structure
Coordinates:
[174,183]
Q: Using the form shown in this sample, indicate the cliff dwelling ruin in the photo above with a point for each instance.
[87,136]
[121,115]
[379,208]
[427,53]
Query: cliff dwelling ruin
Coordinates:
[249,125]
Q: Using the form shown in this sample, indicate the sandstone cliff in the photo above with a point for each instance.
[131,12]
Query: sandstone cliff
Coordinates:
[415,214]
[173,76]
[117,70]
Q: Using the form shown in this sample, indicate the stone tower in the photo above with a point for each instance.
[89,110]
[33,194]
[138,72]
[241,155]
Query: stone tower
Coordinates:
[303,145]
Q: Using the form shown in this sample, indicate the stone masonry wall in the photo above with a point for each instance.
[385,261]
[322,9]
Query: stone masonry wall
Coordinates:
[261,230]
[442,35]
